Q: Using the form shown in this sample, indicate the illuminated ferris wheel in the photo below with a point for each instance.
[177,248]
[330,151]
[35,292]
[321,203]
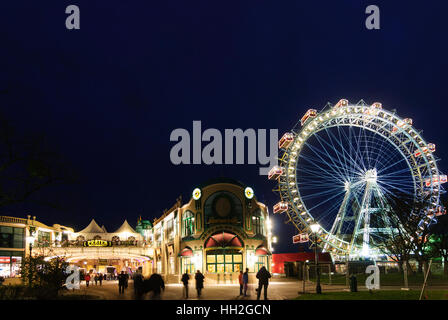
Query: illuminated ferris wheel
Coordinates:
[342,167]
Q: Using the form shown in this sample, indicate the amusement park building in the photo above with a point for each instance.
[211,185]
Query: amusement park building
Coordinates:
[221,230]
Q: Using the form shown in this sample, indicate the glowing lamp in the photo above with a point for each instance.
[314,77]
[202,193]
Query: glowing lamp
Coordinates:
[315,227]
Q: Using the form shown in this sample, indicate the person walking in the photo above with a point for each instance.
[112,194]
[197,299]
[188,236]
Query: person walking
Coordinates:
[240,280]
[121,282]
[138,284]
[87,278]
[156,285]
[199,277]
[96,279]
[185,279]
[127,280]
[263,276]
[100,278]
[245,281]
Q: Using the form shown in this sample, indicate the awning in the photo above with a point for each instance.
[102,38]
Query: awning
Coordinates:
[222,240]
[187,252]
[262,251]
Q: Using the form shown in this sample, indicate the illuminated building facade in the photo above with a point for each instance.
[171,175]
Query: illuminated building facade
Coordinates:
[221,230]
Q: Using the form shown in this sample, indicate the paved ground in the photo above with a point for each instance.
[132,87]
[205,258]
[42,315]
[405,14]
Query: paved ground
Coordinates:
[277,290]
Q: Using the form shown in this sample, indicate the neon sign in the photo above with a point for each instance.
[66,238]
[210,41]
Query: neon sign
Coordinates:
[97,243]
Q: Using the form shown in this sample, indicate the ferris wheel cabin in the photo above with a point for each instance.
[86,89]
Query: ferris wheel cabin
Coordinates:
[280,207]
[311,113]
[286,140]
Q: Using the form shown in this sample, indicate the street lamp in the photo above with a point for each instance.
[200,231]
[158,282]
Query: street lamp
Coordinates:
[315,229]
[30,240]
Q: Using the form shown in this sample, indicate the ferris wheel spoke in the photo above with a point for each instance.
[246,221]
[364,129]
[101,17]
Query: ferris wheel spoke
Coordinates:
[325,201]
[325,162]
[391,165]
[356,164]
[381,151]
[397,173]
[351,162]
[337,152]
[358,149]
[318,169]
[389,156]
[397,187]
[340,165]
[345,155]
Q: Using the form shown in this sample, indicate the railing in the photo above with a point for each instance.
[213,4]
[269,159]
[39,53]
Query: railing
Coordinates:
[74,244]
[12,220]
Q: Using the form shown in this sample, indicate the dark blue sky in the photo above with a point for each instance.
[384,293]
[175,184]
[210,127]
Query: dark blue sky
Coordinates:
[107,96]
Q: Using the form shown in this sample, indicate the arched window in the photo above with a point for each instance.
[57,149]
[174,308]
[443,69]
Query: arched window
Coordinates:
[223,205]
[258,223]
[188,228]
[97,237]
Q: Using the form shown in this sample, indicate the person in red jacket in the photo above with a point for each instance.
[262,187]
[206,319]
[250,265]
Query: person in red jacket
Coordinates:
[87,278]
[240,279]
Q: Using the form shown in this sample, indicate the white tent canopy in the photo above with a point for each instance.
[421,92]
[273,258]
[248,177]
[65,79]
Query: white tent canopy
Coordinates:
[93,227]
[125,228]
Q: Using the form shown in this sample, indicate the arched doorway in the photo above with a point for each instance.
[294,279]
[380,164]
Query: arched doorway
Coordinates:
[224,253]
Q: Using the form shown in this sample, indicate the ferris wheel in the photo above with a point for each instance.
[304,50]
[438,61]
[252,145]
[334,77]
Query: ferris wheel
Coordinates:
[342,167]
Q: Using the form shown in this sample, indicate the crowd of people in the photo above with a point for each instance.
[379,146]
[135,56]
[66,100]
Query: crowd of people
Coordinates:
[97,277]
[154,285]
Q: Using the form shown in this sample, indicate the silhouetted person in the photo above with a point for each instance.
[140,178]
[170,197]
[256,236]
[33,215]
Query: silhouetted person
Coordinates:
[263,276]
[121,282]
[185,279]
[96,279]
[240,280]
[199,277]
[100,278]
[245,281]
[138,284]
[156,285]
[127,280]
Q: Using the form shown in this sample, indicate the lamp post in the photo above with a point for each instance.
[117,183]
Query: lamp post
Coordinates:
[315,229]
[30,239]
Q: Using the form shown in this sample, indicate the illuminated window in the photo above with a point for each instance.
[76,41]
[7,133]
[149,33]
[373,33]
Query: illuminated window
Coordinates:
[170,229]
[258,223]
[43,238]
[188,224]
[260,262]
[187,265]
[11,237]
[224,260]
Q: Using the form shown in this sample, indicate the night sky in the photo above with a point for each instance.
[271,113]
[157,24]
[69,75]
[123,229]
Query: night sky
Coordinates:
[107,96]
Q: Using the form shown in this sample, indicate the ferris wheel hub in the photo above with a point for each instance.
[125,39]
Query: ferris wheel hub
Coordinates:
[371,175]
